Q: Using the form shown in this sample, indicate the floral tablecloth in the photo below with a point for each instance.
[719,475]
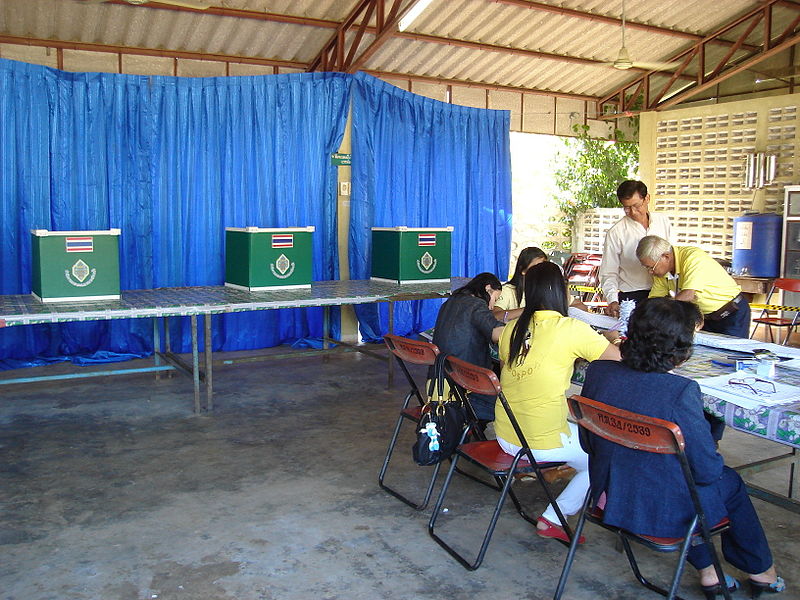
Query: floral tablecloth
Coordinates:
[777,423]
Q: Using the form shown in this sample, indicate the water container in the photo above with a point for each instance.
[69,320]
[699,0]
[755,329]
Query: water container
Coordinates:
[757,244]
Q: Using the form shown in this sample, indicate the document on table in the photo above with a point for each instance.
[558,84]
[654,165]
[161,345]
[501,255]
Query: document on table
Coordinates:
[743,344]
[595,320]
[790,364]
[741,395]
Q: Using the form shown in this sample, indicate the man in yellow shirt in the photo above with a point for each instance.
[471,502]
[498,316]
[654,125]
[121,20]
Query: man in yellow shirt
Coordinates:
[691,275]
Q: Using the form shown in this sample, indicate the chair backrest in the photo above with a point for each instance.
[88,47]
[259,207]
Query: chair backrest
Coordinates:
[638,432]
[416,352]
[471,377]
[478,380]
[788,285]
[626,428]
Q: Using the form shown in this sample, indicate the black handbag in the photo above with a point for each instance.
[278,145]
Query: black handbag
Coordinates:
[441,424]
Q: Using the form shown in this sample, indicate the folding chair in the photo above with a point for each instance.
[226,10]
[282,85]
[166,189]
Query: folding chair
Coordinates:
[583,269]
[490,457]
[787,285]
[646,434]
[414,352]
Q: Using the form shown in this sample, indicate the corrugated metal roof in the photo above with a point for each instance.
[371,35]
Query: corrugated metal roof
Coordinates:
[245,28]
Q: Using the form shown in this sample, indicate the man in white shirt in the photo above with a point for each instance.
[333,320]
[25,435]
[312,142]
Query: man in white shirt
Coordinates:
[622,276]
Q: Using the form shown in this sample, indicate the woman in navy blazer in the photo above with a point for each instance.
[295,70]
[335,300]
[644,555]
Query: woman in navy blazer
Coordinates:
[646,493]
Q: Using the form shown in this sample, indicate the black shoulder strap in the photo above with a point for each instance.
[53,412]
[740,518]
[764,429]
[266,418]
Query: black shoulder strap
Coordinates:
[439,374]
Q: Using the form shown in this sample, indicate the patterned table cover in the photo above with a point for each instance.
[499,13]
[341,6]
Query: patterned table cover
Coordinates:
[777,423]
[186,301]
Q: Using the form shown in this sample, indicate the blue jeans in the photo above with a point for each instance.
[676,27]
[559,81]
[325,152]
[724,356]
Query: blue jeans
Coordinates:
[744,544]
[483,406]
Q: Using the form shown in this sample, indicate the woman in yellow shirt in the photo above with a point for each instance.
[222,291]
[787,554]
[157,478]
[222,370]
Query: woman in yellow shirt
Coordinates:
[538,352]
[509,304]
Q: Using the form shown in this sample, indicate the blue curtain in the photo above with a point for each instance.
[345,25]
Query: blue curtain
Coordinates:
[422,163]
[172,162]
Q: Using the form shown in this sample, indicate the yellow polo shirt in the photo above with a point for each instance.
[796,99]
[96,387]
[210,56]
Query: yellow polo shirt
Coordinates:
[508,298]
[535,390]
[696,270]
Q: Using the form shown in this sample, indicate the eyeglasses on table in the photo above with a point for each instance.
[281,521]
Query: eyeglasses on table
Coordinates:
[759,387]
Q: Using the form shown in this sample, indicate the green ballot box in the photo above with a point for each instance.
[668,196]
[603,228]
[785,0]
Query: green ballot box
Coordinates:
[410,254]
[266,259]
[70,266]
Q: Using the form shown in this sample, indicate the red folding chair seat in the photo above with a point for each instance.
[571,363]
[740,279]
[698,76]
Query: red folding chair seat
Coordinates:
[491,459]
[645,434]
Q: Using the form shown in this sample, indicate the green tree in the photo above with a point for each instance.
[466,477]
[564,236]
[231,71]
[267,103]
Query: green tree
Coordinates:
[588,172]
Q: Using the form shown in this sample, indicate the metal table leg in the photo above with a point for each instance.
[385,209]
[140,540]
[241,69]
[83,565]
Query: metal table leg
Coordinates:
[208,356]
[156,347]
[195,365]
[167,339]
[390,382]
[326,326]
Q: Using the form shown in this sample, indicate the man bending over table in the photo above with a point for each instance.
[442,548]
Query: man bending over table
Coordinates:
[691,275]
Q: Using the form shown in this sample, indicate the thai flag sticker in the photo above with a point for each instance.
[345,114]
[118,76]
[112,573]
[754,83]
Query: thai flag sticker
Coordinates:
[80,244]
[283,240]
[426,239]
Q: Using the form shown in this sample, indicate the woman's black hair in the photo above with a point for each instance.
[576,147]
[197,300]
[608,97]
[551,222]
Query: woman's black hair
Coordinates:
[545,289]
[477,286]
[660,334]
[526,257]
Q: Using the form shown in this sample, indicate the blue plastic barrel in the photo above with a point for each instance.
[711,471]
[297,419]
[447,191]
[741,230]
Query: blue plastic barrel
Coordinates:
[757,244]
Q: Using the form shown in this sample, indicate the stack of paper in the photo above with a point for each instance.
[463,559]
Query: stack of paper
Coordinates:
[594,319]
[742,395]
[727,342]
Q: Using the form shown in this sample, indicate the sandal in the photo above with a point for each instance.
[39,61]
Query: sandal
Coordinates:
[759,587]
[712,591]
[554,531]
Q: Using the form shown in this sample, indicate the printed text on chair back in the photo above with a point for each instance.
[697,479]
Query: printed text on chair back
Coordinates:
[626,428]
[471,377]
[411,351]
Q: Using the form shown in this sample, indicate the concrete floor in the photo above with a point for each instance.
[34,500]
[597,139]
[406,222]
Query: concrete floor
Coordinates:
[113,489]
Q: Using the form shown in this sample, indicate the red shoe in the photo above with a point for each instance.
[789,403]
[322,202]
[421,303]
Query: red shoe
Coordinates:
[554,531]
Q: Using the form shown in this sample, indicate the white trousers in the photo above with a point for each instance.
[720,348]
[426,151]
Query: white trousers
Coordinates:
[571,499]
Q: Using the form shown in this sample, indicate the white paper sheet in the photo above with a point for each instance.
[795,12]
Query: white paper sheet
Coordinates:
[790,364]
[741,395]
[594,319]
[743,344]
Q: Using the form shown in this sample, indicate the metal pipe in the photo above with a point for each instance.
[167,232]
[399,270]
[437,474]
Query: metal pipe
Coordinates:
[82,375]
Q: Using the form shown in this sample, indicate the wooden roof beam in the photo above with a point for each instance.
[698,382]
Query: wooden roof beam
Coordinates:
[787,38]
[138,51]
[479,85]
[432,39]
[610,20]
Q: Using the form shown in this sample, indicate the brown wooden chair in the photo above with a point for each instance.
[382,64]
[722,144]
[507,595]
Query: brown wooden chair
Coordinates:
[488,456]
[645,434]
[407,351]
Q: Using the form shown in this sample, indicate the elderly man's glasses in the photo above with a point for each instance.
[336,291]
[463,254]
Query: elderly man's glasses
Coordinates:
[652,267]
[759,387]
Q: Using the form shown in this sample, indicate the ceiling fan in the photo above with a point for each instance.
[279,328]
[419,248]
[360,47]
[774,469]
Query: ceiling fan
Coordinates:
[196,4]
[624,62]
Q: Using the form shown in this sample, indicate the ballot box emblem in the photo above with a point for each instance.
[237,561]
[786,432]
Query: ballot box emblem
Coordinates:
[79,273]
[411,254]
[268,258]
[282,268]
[426,263]
[74,266]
